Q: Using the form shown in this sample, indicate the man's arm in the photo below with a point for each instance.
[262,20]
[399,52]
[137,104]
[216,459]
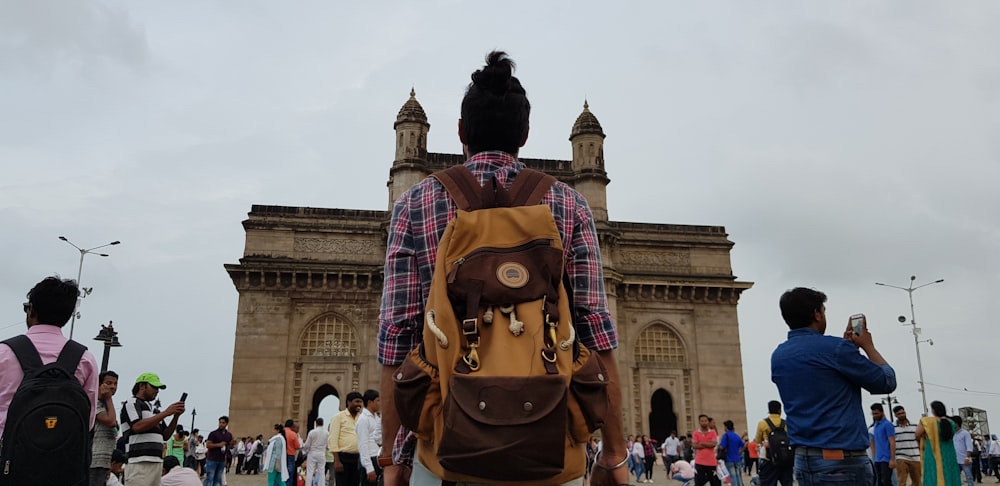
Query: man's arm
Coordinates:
[107,417]
[605,472]
[215,445]
[175,409]
[390,418]
[892,452]
[872,373]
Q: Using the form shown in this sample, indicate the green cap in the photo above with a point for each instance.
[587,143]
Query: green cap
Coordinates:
[151,378]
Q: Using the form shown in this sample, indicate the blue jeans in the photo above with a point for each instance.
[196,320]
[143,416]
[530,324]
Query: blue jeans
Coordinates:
[213,472]
[967,471]
[293,475]
[735,473]
[816,471]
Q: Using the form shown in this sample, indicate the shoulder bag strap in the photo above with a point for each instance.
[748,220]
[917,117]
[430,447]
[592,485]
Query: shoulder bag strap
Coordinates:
[70,356]
[530,187]
[462,186]
[25,352]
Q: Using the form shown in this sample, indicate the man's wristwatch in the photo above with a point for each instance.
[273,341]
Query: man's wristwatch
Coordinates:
[384,461]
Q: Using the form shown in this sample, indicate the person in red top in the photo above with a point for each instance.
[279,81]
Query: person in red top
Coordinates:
[292,446]
[754,453]
[704,441]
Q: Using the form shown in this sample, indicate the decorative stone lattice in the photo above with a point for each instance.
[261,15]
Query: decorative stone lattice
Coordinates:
[659,344]
[329,336]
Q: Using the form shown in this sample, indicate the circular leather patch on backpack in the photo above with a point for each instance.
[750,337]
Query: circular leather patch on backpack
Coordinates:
[512,275]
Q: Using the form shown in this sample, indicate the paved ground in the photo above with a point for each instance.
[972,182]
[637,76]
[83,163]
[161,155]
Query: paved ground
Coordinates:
[659,479]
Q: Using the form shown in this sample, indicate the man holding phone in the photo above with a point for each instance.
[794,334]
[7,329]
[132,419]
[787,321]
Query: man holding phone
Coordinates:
[820,380]
[146,430]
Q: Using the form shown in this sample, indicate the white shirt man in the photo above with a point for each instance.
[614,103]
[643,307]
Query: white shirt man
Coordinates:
[315,450]
[369,433]
[671,448]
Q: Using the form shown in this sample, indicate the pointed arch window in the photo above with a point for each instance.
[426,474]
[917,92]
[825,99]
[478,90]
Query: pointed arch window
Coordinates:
[659,343]
[329,336]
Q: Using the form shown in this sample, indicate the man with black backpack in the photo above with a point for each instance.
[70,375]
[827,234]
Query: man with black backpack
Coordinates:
[777,461]
[48,394]
[474,316]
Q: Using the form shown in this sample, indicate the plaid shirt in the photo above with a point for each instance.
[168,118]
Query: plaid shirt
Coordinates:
[419,218]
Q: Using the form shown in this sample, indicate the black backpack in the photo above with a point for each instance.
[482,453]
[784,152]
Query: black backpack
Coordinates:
[779,448]
[47,437]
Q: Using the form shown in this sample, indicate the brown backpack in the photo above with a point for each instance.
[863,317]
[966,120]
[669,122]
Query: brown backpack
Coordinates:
[500,390]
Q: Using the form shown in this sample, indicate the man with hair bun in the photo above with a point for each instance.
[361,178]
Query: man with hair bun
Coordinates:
[493,127]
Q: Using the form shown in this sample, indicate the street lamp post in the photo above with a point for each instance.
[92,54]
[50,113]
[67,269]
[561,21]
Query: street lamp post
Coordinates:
[79,274]
[109,337]
[916,330]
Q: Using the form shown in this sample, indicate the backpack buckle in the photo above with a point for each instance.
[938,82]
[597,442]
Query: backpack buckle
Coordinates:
[470,327]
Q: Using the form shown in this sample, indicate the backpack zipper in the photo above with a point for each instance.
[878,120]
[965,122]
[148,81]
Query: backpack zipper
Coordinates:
[514,249]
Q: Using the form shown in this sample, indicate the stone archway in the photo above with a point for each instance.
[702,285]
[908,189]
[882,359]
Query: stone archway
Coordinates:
[662,374]
[321,393]
[662,418]
[329,350]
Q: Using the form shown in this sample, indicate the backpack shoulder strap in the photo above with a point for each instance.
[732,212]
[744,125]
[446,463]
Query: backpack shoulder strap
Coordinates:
[70,356]
[530,187]
[771,424]
[462,186]
[25,352]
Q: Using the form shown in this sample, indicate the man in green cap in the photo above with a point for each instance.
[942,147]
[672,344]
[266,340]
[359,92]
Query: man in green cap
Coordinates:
[146,430]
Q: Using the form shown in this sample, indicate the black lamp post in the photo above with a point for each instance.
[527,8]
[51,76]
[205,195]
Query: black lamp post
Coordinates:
[109,337]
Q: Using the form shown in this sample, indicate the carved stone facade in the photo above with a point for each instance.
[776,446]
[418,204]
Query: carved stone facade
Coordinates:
[310,283]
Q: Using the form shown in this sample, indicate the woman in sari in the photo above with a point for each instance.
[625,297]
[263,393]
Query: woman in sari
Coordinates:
[937,451]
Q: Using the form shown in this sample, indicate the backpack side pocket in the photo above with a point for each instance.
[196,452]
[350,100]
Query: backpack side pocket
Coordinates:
[416,392]
[589,402]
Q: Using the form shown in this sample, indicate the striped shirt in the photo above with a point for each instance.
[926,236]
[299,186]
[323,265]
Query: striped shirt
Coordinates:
[143,446]
[906,443]
[419,218]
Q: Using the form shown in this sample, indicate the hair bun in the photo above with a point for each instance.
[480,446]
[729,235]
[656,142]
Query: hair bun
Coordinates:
[495,76]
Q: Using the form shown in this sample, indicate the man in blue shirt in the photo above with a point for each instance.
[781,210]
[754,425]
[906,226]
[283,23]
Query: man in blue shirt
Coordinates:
[820,379]
[963,449]
[733,445]
[883,446]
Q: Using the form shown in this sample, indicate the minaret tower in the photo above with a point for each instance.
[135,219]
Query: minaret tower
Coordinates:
[592,181]
[410,165]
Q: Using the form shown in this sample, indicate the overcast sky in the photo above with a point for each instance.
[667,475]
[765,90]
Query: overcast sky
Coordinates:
[839,143]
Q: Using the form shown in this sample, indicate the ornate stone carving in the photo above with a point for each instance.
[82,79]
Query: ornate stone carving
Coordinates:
[325,245]
[657,258]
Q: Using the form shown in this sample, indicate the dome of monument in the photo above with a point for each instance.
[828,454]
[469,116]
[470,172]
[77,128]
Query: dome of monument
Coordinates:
[586,123]
[411,111]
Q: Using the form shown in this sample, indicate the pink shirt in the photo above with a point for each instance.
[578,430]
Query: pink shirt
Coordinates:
[49,341]
[705,457]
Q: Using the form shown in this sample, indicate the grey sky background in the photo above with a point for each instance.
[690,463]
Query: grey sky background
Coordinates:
[839,143]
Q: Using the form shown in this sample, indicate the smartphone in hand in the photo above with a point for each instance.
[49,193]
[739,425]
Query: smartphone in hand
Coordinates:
[858,324]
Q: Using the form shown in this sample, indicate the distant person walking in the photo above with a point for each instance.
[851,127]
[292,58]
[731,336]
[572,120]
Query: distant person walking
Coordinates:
[219,440]
[315,449]
[907,449]
[105,429]
[733,445]
[963,449]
